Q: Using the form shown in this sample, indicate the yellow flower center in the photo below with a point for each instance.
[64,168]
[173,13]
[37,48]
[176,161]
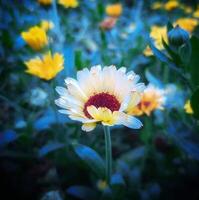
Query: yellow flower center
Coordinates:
[103,100]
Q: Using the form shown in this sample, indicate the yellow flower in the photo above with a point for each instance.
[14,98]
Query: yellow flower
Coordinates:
[188,108]
[45,2]
[157,33]
[147,51]
[46,25]
[69,3]
[101,95]
[187,9]
[170,5]
[157,5]
[46,67]
[35,37]
[151,99]
[188,24]
[114,10]
[102,185]
[196,13]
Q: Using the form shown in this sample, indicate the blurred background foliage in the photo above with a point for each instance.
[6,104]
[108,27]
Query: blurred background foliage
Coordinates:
[44,155]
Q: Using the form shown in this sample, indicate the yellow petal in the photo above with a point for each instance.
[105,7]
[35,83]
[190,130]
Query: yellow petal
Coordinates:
[88,127]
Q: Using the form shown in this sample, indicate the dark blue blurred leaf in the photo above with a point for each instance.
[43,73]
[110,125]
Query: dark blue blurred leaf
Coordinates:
[82,192]
[152,79]
[19,43]
[48,148]
[117,179]
[117,186]
[91,158]
[7,137]
[135,175]
[49,118]
[123,168]
[133,155]
[180,137]
[190,148]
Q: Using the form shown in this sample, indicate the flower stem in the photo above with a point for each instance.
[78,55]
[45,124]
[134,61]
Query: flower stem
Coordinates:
[108,150]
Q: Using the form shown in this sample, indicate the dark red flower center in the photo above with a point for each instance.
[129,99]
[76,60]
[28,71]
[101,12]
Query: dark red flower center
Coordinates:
[144,103]
[102,100]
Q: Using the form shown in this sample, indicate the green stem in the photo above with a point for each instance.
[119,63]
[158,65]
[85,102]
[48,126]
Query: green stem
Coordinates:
[108,150]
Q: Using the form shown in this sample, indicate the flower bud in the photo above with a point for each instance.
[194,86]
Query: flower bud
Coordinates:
[177,37]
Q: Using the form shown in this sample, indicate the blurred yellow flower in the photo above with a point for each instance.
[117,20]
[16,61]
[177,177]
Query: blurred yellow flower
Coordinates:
[45,2]
[35,37]
[188,108]
[114,10]
[187,9]
[196,13]
[46,25]
[188,24]
[157,5]
[69,3]
[102,185]
[46,67]
[170,5]
[147,51]
[157,33]
[151,99]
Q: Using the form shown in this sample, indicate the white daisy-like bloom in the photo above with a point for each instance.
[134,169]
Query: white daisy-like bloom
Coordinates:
[101,95]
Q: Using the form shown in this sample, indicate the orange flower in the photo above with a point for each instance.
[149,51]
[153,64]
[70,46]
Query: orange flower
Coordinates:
[151,99]
[114,10]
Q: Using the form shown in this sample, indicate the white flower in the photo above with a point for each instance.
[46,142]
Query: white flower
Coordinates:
[101,95]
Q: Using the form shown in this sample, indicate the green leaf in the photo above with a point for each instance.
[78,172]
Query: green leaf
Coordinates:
[78,60]
[185,52]
[100,9]
[91,158]
[175,57]
[195,103]
[161,56]
[194,61]
[169,26]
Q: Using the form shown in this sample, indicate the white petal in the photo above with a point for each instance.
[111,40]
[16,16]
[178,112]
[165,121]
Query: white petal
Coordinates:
[74,89]
[129,121]
[81,119]
[125,103]
[61,91]
[139,87]
[122,69]
[134,100]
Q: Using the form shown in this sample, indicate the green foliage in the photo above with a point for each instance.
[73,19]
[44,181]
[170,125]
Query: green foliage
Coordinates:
[195,103]
[91,158]
[194,61]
